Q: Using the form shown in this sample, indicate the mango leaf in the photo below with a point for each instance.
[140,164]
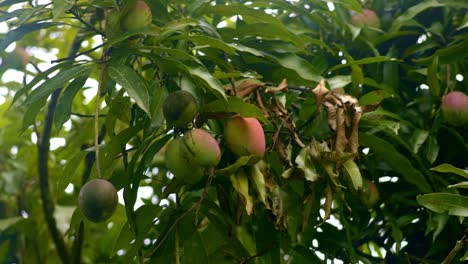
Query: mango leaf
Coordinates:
[453,204]
[60,7]
[234,105]
[448,168]
[349,4]
[361,62]
[65,102]
[352,170]
[259,182]
[374,97]
[10,2]
[240,183]
[419,137]
[339,81]
[56,82]
[305,163]
[397,161]
[40,77]
[132,83]
[240,162]
[453,53]
[19,32]
[463,184]
[432,79]
[195,250]
[302,67]
[7,222]
[31,113]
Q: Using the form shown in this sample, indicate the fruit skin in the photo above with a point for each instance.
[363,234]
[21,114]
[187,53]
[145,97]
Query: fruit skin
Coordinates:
[138,16]
[455,108]
[179,108]
[202,148]
[244,136]
[179,163]
[368,18]
[369,194]
[97,200]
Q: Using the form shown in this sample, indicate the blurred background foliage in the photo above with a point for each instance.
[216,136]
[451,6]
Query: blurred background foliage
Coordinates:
[385,198]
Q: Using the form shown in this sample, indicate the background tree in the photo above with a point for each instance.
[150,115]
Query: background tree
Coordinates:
[362,164]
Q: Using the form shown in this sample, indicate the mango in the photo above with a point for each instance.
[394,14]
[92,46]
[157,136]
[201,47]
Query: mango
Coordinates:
[138,16]
[179,162]
[244,136]
[179,108]
[98,200]
[202,148]
[455,108]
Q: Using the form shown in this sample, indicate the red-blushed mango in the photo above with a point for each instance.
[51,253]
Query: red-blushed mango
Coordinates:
[179,108]
[368,18]
[455,108]
[244,136]
[97,200]
[369,194]
[202,148]
[138,16]
[179,163]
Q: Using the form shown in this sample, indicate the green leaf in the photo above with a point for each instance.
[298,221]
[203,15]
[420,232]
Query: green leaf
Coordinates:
[40,77]
[295,63]
[397,161]
[361,62]
[453,204]
[419,137]
[31,113]
[412,12]
[339,81]
[10,2]
[18,33]
[259,182]
[240,183]
[352,170]
[70,169]
[60,7]
[454,52]
[56,82]
[432,149]
[305,163]
[463,185]
[374,97]
[448,168]
[234,105]
[65,102]
[349,4]
[432,79]
[7,222]
[132,83]
[195,249]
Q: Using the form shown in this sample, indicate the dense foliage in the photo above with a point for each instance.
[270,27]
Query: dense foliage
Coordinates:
[360,163]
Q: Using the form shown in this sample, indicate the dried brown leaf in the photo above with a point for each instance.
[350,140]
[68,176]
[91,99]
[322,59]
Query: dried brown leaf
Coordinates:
[320,91]
[328,204]
[331,113]
[283,86]
[341,140]
[354,135]
[245,87]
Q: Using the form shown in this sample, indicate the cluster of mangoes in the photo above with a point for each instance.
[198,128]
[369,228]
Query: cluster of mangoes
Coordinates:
[190,156]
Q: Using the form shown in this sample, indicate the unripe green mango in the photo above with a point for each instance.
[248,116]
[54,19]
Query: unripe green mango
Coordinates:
[244,136]
[179,163]
[179,108]
[202,148]
[138,16]
[97,200]
[455,108]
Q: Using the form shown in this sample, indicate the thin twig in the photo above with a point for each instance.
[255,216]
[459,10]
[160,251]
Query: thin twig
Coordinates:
[458,246]
[96,121]
[89,26]
[88,116]
[78,54]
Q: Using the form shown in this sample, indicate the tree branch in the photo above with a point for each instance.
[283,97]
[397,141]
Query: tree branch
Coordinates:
[43,170]
[47,202]
[458,246]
